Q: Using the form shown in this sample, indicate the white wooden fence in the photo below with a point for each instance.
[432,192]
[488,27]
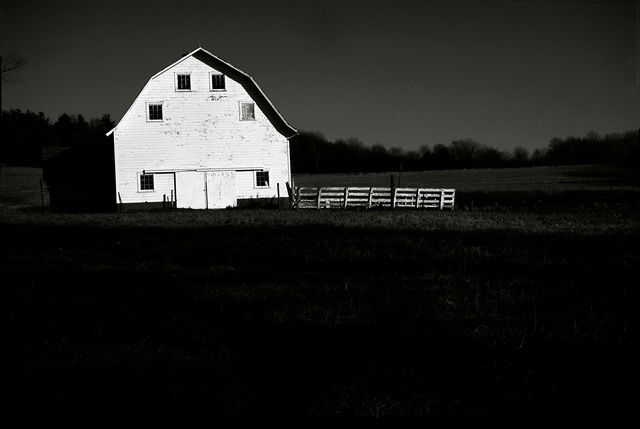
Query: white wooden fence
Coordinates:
[355,197]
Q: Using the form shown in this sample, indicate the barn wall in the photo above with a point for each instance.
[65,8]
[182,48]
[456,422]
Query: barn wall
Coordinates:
[201,130]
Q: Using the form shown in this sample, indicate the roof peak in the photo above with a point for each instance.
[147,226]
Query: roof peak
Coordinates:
[245,80]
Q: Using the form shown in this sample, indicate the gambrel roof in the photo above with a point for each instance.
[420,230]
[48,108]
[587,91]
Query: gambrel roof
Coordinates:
[247,82]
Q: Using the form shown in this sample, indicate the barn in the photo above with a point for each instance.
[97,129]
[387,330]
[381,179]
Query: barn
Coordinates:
[201,135]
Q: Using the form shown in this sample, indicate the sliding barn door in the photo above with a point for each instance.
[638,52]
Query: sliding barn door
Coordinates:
[191,190]
[221,189]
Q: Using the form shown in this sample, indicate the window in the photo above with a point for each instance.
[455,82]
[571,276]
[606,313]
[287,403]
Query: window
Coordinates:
[155,112]
[262,179]
[217,81]
[183,82]
[146,182]
[247,112]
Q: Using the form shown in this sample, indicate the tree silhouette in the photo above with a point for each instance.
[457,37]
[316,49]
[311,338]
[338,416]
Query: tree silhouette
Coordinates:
[312,153]
[23,134]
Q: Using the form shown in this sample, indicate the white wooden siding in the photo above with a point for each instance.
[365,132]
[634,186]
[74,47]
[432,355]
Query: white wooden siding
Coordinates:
[163,186]
[201,130]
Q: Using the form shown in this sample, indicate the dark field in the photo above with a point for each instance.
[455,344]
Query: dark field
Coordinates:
[526,305]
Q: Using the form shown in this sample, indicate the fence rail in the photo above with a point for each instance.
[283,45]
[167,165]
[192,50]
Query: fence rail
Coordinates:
[355,197]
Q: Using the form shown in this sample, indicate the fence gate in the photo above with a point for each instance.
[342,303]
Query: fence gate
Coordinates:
[372,197]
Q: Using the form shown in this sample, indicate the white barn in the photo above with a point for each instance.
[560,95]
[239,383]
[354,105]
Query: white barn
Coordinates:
[201,135]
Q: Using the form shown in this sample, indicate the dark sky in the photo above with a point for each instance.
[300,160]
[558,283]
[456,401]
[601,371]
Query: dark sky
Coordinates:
[396,72]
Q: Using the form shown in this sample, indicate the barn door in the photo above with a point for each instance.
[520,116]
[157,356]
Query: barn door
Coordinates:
[190,190]
[221,189]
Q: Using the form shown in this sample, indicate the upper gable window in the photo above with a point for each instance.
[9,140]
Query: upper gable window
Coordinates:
[217,81]
[247,112]
[154,112]
[183,82]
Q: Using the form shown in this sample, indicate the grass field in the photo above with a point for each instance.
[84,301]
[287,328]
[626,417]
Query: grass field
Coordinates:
[507,310]
[539,179]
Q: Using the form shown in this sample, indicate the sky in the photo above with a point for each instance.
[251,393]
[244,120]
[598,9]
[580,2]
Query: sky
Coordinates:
[401,73]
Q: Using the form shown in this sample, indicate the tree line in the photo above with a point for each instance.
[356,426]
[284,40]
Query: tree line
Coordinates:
[312,153]
[23,135]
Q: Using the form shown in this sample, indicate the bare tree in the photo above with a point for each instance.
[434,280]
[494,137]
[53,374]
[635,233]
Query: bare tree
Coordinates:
[9,64]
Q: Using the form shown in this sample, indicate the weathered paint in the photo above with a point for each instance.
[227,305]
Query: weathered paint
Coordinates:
[221,189]
[201,139]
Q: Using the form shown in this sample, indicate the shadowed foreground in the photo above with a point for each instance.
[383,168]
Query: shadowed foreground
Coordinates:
[269,313]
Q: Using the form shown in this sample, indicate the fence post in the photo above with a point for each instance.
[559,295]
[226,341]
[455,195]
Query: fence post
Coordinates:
[319,196]
[370,197]
[42,196]
[346,196]
[392,199]
[417,197]
[290,194]
[441,199]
